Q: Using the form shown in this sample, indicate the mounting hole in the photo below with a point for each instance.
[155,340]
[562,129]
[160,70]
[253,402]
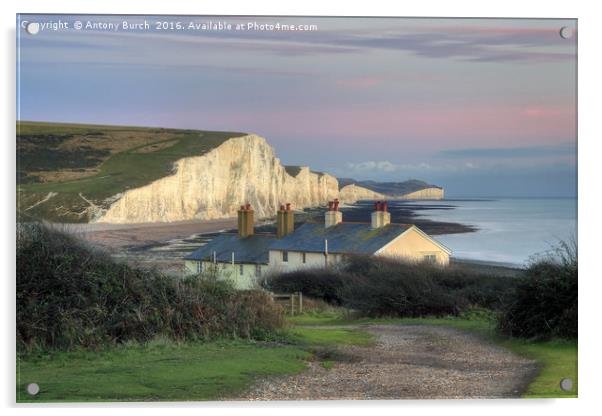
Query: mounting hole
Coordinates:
[566,384]
[32,28]
[566,32]
[33,389]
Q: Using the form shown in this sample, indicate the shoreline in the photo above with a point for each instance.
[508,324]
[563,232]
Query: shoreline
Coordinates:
[408,212]
[127,236]
[137,235]
[163,245]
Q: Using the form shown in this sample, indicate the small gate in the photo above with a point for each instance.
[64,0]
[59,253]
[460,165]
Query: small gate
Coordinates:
[292,303]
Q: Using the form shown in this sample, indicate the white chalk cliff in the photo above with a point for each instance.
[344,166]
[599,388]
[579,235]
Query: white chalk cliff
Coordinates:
[214,185]
[240,170]
[352,193]
[427,193]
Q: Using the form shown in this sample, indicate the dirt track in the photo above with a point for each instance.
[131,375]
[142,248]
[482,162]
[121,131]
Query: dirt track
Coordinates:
[408,362]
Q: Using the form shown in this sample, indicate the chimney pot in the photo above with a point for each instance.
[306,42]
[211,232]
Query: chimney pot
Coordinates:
[285,221]
[245,221]
[380,216]
[333,216]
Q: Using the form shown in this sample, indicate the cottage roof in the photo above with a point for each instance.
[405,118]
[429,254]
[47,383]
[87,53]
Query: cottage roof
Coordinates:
[252,249]
[344,238]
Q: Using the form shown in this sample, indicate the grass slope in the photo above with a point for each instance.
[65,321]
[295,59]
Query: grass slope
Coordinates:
[97,162]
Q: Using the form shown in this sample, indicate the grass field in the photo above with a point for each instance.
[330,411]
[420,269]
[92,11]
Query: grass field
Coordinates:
[330,336]
[219,370]
[163,370]
[66,160]
[192,371]
[166,371]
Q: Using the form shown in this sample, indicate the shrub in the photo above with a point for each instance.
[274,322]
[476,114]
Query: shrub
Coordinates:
[71,295]
[389,287]
[392,288]
[545,302]
[477,287]
[320,283]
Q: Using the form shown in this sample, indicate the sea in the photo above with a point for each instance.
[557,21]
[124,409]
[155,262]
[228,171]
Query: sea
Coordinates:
[509,231]
[513,231]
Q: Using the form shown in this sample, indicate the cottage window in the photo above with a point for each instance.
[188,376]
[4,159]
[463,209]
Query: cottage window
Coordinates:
[199,266]
[430,258]
[257,270]
[241,270]
[285,256]
[303,255]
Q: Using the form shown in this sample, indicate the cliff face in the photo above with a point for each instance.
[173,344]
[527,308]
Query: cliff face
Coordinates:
[428,193]
[352,193]
[241,170]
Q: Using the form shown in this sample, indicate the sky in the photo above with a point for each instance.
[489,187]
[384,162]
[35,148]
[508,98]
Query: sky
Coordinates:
[482,107]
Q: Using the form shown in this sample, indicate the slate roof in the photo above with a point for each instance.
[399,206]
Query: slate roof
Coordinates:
[253,249]
[351,238]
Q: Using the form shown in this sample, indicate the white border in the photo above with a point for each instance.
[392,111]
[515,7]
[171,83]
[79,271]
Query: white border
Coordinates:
[589,187]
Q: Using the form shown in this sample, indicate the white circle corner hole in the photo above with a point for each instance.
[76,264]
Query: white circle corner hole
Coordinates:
[33,28]
[33,389]
[566,32]
[566,384]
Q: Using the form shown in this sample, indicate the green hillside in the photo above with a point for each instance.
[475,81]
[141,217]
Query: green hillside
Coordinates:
[65,169]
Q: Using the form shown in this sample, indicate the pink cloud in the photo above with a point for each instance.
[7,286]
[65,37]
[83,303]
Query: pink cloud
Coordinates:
[428,127]
[540,111]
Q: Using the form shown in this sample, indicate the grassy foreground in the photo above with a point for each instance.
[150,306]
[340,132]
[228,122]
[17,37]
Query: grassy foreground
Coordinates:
[191,371]
[165,371]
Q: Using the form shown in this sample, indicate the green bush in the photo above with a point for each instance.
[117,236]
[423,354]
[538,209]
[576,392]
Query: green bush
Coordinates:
[318,283]
[70,295]
[384,287]
[476,287]
[391,288]
[545,302]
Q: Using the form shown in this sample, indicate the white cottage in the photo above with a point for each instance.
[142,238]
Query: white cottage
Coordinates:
[322,245]
[241,258]
[245,258]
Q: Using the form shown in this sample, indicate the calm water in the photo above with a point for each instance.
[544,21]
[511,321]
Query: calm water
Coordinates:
[510,230]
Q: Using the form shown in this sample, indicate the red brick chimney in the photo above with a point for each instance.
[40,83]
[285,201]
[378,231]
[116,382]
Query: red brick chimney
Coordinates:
[380,217]
[285,221]
[333,216]
[246,220]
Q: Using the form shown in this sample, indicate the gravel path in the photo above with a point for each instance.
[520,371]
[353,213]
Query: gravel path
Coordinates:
[408,362]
